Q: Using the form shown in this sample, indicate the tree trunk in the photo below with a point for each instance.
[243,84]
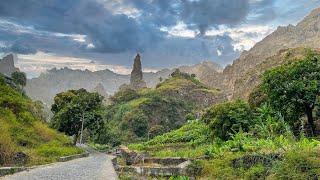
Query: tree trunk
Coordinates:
[75,138]
[310,119]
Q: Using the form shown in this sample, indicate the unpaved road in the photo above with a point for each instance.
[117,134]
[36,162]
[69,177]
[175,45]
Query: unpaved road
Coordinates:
[95,167]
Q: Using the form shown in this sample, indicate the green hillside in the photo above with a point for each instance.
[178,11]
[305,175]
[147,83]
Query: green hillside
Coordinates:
[141,114]
[22,132]
[271,137]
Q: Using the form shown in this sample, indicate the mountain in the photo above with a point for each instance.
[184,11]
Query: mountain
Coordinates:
[304,34]
[54,81]
[7,65]
[101,90]
[205,72]
[245,84]
[143,113]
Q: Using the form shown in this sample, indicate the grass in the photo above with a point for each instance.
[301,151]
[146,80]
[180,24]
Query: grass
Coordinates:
[21,131]
[300,158]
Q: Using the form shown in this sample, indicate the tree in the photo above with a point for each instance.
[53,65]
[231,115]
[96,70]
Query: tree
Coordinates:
[74,107]
[19,78]
[229,118]
[292,89]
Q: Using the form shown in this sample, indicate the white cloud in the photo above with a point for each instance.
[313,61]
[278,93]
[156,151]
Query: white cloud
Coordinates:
[244,36]
[40,62]
[180,30]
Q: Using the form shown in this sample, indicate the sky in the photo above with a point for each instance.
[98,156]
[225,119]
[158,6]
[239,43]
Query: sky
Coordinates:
[99,34]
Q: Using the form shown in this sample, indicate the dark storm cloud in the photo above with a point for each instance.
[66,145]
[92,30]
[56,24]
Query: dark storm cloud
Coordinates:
[111,32]
[108,32]
[200,14]
[207,13]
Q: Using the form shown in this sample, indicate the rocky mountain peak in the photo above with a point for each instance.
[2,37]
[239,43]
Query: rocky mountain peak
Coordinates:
[7,65]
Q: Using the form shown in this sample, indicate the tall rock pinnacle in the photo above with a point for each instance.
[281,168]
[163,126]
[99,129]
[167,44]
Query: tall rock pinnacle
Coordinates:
[136,79]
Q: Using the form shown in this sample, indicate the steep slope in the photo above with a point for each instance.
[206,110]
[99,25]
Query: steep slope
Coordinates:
[149,112]
[24,138]
[304,34]
[252,78]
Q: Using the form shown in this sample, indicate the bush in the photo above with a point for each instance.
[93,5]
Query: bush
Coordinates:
[270,124]
[229,118]
[298,164]
[138,122]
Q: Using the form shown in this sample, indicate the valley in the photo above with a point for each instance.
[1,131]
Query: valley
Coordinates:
[257,118]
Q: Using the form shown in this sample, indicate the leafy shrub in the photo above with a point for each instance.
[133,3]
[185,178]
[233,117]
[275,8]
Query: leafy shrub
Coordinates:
[270,124]
[138,122]
[229,118]
[257,97]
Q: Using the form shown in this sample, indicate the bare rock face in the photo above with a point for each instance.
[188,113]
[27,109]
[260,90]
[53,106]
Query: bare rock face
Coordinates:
[136,78]
[100,90]
[304,34]
[7,65]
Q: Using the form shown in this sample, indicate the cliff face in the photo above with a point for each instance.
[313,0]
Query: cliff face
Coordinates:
[304,34]
[7,65]
[245,84]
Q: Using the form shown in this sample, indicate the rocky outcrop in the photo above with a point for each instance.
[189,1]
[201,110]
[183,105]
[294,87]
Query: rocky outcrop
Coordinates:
[7,65]
[136,77]
[246,83]
[100,90]
[304,34]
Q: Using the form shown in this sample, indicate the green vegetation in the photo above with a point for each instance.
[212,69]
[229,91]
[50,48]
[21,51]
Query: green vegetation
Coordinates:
[235,140]
[75,110]
[293,89]
[23,132]
[19,78]
[229,118]
[143,114]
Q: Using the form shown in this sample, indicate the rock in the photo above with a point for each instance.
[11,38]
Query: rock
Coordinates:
[7,65]
[100,90]
[249,161]
[20,158]
[136,78]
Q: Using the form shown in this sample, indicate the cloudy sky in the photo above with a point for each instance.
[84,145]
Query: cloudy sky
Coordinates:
[99,34]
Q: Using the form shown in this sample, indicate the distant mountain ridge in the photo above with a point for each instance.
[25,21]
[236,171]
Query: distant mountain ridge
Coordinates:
[48,84]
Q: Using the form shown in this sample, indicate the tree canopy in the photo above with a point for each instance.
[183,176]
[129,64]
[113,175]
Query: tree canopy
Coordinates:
[229,118]
[73,106]
[19,78]
[292,89]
